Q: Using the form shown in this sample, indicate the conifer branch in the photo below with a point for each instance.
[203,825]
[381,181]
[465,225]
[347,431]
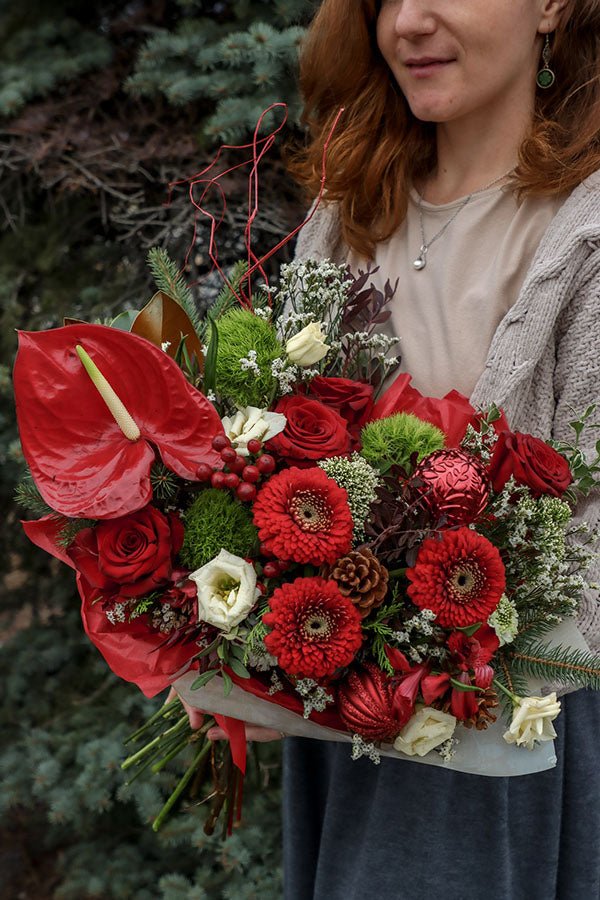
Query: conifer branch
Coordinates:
[575,667]
[169,279]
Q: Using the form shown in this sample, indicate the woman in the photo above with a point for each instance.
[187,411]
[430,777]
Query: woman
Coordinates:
[463,166]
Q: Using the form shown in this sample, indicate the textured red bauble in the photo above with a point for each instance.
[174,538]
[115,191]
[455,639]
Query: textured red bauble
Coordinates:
[456,486]
[369,705]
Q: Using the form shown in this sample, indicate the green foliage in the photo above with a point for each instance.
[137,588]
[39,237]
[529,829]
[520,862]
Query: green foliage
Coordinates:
[555,664]
[392,441]
[216,520]
[37,59]
[169,279]
[248,346]
[239,65]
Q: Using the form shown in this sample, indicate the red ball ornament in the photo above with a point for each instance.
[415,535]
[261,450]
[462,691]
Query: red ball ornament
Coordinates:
[371,706]
[455,485]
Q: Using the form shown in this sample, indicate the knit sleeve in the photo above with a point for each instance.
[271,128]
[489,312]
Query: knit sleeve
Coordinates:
[320,238]
[577,386]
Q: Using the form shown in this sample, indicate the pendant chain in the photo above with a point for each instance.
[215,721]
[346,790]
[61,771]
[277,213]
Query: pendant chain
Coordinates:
[421,260]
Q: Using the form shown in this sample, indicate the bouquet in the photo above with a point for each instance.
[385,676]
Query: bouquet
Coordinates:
[260,515]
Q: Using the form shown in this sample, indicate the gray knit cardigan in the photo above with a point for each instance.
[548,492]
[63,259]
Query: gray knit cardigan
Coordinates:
[543,364]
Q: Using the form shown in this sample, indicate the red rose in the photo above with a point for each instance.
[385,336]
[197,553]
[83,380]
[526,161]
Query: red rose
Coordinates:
[313,432]
[353,400]
[531,462]
[132,554]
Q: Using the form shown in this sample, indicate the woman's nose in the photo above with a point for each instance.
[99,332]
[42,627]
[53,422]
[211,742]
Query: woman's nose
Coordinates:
[414,18]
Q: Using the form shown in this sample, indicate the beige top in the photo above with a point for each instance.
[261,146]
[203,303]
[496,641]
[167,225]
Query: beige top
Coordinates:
[446,314]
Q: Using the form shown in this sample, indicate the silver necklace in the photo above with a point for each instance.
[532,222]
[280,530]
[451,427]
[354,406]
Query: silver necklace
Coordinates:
[421,260]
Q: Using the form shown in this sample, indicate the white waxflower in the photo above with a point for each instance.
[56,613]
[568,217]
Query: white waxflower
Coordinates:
[252,423]
[532,721]
[425,731]
[308,346]
[226,590]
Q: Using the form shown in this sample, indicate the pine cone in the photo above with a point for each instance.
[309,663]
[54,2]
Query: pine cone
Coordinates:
[362,578]
[487,701]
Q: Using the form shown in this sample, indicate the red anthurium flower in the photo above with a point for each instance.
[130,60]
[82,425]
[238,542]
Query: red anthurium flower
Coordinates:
[80,458]
[451,413]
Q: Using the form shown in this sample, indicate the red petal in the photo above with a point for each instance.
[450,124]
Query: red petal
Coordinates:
[434,686]
[82,463]
[397,659]
[131,649]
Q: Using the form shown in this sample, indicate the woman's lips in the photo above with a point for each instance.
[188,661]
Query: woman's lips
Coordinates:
[422,68]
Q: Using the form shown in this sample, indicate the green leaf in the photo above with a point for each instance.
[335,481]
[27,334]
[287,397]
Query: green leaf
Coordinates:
[203,679]
[124,320]
[210,362]
[227,683]
[238,667]
[470,630]
[459,686]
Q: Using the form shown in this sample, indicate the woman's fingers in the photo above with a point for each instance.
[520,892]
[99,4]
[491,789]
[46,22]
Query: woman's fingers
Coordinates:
[253,733]
[195,716]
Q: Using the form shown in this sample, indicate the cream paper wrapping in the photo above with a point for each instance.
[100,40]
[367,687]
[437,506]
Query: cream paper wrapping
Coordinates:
[477,753]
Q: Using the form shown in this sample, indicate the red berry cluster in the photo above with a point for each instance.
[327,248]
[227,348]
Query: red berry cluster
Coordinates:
[239,475]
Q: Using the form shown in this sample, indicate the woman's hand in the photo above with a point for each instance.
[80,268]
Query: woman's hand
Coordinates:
[253,732]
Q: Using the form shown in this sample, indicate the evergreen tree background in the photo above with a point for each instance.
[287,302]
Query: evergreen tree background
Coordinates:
[102,105]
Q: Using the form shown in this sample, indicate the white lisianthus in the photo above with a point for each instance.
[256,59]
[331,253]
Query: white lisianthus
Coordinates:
[532,721]
[252,423]
[308,346]
[427,729]
[226,590]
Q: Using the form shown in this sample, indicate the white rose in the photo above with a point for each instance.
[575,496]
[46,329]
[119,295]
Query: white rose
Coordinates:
[427,729]
[252,423]
[532,721]
[226,590]
[308,346]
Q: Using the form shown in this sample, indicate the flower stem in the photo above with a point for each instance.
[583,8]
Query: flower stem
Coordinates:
[161,713]
[132,760]
[204,750]
[516,700]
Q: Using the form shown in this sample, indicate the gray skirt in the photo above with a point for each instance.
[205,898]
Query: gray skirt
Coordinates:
[403,831]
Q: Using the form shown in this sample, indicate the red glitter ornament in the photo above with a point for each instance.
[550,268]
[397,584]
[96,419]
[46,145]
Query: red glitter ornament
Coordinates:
[303,515]
[371,706]
[460,577]
[456,486]
[314,628]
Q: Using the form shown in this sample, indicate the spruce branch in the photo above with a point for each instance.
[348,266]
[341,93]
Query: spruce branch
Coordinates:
[71,529]
[28,496]
[169,279]
[563,664]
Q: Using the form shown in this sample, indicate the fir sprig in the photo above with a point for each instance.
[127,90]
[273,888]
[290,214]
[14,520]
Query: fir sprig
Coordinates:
[547,663]
[169,279]
[71,529]
[165,484]
[28,496]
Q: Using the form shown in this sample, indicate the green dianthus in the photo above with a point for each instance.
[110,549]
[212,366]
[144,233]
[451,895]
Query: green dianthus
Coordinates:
[216,521]
[247,348]
[392,441]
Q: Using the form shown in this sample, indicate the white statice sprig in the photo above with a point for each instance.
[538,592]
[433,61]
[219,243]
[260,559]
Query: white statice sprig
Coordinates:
[360,747]
[359,480]
[314,697]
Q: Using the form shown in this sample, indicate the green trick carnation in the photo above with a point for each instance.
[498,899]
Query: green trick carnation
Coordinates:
[247,348]
[216,521]
[392,441]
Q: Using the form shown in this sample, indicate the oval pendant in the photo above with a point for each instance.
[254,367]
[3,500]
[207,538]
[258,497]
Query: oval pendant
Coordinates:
[419,263]
[545,78]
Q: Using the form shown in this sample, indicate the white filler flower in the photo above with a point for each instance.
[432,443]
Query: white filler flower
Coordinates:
[427,729]
[532,721]
[252,423]
[308,346]
[226,590]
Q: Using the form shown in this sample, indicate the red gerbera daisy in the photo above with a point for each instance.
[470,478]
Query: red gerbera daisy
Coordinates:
[460,577]
[303,515]
[315,629]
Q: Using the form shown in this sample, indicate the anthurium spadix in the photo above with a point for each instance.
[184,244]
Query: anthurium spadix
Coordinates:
[93,419]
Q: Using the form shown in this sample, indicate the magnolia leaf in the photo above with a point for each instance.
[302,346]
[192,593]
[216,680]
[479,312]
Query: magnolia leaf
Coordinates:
[68,320]
[124,320]
[164,323]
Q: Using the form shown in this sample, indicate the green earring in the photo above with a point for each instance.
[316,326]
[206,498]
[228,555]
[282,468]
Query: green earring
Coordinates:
[546,77]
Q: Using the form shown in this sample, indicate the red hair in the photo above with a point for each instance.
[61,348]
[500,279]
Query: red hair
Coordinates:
[380,148]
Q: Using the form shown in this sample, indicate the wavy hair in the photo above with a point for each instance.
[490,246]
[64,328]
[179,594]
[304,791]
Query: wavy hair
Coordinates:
[380,147]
